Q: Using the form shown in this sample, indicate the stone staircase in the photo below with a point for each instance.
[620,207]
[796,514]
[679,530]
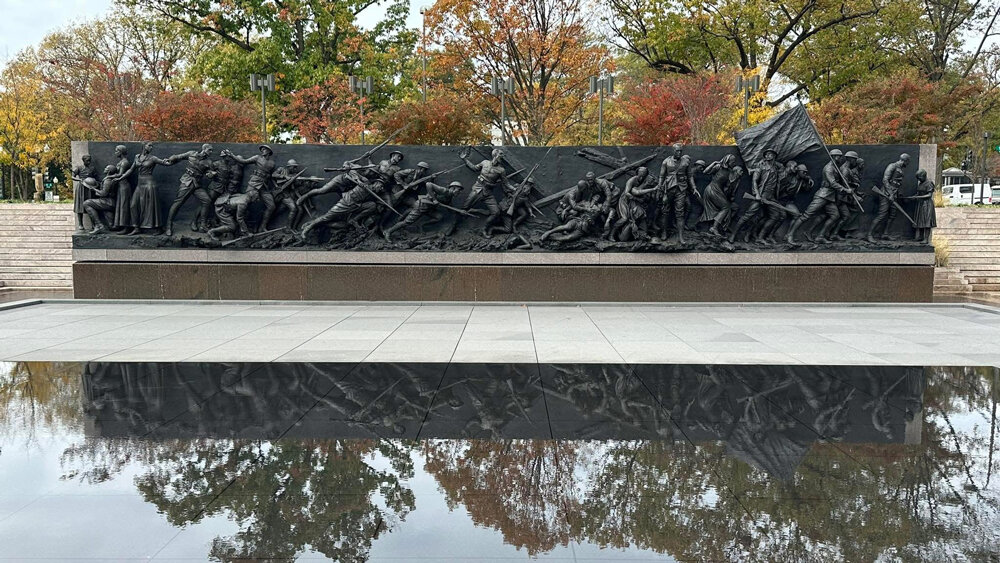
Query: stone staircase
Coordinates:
[973,235]
[36,246]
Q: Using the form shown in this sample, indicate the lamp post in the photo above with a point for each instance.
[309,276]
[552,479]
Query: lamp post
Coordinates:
[600,86]
[423,51]
[986,155]
[362,87]
[748,87]
[502,87]
[264,83]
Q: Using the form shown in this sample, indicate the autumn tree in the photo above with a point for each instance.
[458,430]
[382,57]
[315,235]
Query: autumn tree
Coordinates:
[26,126]
[443,120]
[325,113]
[688,108]
[198,117]
[546,46]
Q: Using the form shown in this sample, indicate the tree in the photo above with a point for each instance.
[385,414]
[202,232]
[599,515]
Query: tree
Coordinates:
[545,46]
[304,42]
[198,117]
[684,108]
[759,34]
[445,119]
[25,122]
[325,113]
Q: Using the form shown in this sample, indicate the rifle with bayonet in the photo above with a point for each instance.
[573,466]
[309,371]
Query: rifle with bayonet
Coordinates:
[429,177]
[878,190]
[372,150]
[518,193]
[771,203]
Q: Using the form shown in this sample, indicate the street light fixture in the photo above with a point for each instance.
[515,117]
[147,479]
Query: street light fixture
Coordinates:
[600,86]
[986,155]
[502,87]
[264,83]
[748,87]
[362,87]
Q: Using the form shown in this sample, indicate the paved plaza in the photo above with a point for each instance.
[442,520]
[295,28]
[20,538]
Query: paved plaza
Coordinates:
[813,334]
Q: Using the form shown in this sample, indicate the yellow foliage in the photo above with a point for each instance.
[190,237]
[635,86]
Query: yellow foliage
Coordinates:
[942,249]
[759,112]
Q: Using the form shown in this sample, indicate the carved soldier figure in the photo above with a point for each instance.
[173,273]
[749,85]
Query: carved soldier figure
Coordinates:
[198,165]
[825,199]
[588,216]
[516,201]
[359,201]
[631,222]
[892,183]
[232,209]
[924,218]
[235,184]
[586,189]
[403,190]
[218,185]
[428,204]
[846,203]
[260,177]
[764,184]
[491,176]
[719,199]
[80,193]
[795,181]
[284,193]
[676,182]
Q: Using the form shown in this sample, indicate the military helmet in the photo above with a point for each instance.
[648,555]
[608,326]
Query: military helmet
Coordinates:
[90,182]
[700,162]
[770,150]
[802,168]
[396,152]
[423,165]
[268,147]
[836,152]
[456,184]
[292,162]
[851,154]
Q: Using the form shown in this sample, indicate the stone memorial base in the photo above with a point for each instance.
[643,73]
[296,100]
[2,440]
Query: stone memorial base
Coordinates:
[507,277]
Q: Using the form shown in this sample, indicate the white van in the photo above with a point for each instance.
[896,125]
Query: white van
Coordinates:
[968,194]
[959,189]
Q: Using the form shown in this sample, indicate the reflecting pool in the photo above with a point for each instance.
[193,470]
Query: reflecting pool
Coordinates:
[467,462]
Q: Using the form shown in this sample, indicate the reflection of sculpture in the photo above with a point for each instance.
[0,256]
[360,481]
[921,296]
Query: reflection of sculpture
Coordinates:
[892,183]
[81,194]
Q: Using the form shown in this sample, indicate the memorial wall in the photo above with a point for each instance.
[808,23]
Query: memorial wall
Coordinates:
[694,223]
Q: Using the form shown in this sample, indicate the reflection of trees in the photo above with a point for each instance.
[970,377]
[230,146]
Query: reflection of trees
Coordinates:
[518,487]
[38,396]
[859,495]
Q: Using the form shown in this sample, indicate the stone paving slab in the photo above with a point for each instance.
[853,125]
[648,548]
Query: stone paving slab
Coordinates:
[80,330]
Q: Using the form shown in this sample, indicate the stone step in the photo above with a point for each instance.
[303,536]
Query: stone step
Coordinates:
[40,253]
[15,278]
[979,268]
[36,244]
[964,231]
[25,284]
[14,271]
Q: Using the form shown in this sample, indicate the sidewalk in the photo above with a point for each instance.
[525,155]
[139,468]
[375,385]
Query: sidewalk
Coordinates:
[936,334]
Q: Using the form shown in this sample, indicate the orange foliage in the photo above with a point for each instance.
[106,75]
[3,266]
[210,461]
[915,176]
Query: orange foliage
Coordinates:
[543,45]
[677,109]
[325,113]
[903,108]
[443,120]
[198,116]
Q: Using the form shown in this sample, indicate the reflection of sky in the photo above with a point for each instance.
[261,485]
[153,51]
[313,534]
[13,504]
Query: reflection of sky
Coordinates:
[43,514]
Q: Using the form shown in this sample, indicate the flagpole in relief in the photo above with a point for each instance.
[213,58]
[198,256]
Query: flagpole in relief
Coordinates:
[830,156]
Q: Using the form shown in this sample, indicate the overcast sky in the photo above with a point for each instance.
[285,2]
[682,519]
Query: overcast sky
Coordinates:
[26,22]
